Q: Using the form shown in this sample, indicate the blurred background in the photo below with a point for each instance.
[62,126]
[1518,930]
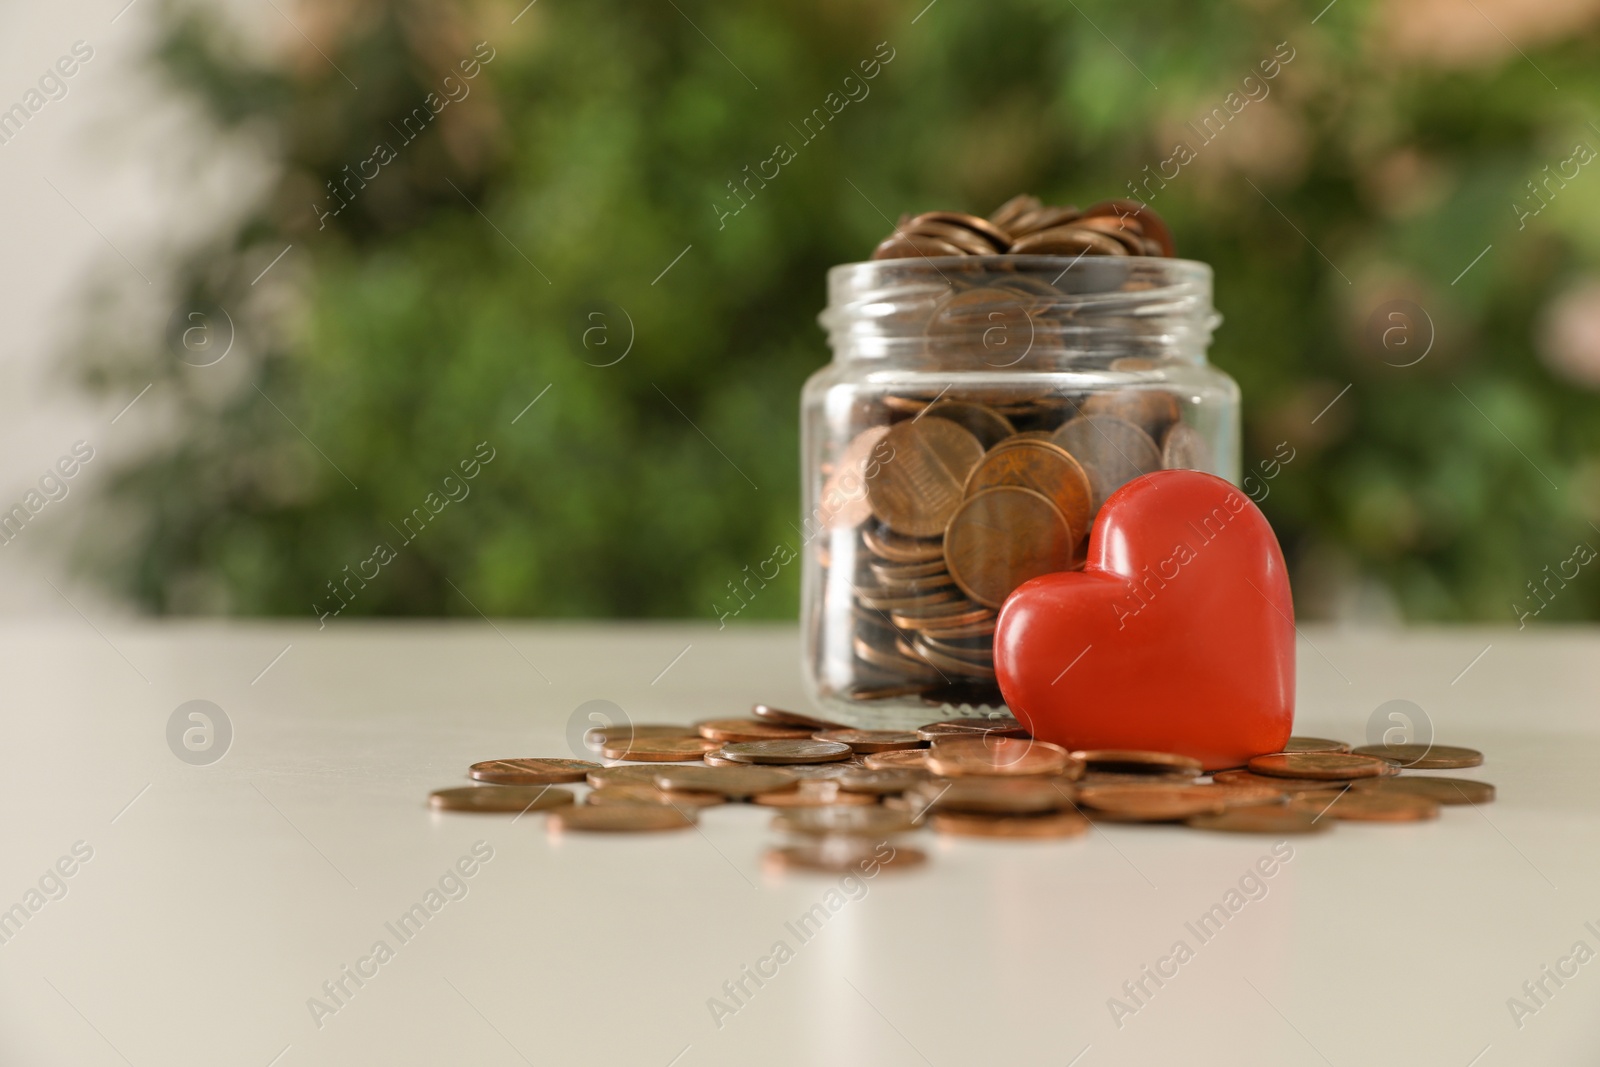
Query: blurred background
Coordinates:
[274,269]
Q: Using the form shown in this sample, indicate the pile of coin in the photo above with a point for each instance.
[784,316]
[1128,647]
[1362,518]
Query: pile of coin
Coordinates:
[842,793]
[958,502]
[1024,226]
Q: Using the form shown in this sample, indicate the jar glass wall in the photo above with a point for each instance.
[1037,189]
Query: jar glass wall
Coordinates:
[977,412]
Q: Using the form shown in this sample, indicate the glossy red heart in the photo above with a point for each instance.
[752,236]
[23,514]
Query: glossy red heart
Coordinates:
[1177,635]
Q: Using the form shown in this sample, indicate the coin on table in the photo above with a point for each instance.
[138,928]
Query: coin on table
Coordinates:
[1112,452]
[886,544]
[642,794]
[984,423]
[974,727]
[999,538]
[959,756]
[807,751]
[621,818]
[598,736]
[1370,806]
[749,730]
[1156,802]
[1044,467]
[1185,448]
[843,500]
[1287,786]
[844,855]
[1424,757]
[995,795]
[917,490]
[1329,766]
[872,740]
[1245,794]
[1137,761]
[531,771]
[736,781]
[659,749]
[853,821]
[915,759]
[1052,825]
[877,783]
[623,774]
[813,793]
[500,798]
[1314,744]
[1261,820]
[768,713]
[830,771]
[715,759]
[1437,789]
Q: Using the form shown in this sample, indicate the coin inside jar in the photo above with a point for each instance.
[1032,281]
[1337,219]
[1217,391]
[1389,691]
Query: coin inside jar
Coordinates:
[918,488]
[1112,452]
[1047,469]
[999,538]
[843,500]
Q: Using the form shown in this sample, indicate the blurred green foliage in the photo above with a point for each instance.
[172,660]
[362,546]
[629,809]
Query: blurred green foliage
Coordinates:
[596,146]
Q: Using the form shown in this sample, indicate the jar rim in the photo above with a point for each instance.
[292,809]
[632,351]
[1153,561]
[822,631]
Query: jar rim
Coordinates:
[1083,306]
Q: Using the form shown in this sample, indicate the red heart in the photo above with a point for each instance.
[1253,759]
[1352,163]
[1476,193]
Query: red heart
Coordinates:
[1177,635]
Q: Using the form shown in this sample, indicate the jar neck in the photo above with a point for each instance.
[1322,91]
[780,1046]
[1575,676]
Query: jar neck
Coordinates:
[1019,313]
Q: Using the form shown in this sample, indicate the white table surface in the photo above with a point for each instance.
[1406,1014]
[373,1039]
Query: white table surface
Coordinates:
[219,898]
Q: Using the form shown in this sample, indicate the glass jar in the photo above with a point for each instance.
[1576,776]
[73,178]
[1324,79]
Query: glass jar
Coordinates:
[977,412]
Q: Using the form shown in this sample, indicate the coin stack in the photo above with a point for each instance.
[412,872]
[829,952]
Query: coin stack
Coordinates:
[844,793]
[951,496]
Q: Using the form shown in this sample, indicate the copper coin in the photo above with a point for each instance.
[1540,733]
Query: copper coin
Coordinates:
[1286,786]
[624,775]
[995,795]
[639,794]
[1067,240]
[989,755]
[1151,224]
[873,821]
[982,628]
[964,239]
[907,246]
[1370,806]
[912,759]
[1004,727]
[844,855]
[621,818]
[534,771]
[1437,789]
[880,598]
[813,793]
[1156,802]
[891,573]
[658,749]
[1055,825]
[948,664]
[994,235]
[999,538]
[500,798]
[714,759]
[1122,778]
[872,740]
[877,783]
[1314,744]
[1327,766]
[737,781]
[807,751]
[917,490]
[893,661]
[1155,411]
[842,502]
[1112,452]
[833,772]
[886,544]
[944,616]
[1009,212]
[1136,761]
[769,713]
[749,730]
[1424,757]
[1185,448]
[987,425]
[1261,820]
[1044,467]
[598,736]
[1046,217]
[975,650]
